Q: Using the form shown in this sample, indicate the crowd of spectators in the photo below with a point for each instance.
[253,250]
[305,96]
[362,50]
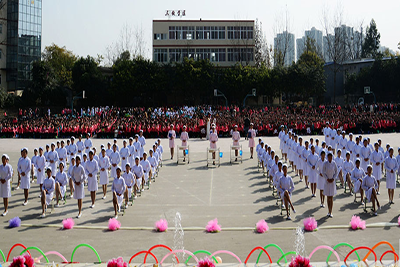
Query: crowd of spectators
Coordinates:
[110,122]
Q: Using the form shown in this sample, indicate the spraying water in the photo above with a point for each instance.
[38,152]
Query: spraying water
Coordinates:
[178,238]
[299,242]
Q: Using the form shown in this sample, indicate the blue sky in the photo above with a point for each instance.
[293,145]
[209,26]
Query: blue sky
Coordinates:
[87,27]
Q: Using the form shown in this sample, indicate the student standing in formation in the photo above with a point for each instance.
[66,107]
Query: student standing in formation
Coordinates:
[365,154]
[321,179]
[146,168]
[109,149]
[369,184]
[137,147]
[213,142]
[391,167]
[80,146]
[87,143]
[235,139]
[339,163]
[286,187]
[115,143]
[91,170]
[24,169]
[142,141]
[153,162]
[356,179]
[130,182]
[281,141]
[47,192]
[312,161]
[73,149]
[171,139]
[160,150]
[5,187]
[114,160]
[40,168]
[62,154]
[348,167]
[53,158]
[131,149]
[69,174]
[79,177]
[184,138]
[118,189]
[68,159]
[104,165]
[33,168]
[61,182]
[124,153]
[251,134]
[330,172]
[376,161]
[139,175]
[306,168]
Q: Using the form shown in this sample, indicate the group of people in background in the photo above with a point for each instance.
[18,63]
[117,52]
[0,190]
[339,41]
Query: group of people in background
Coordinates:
[108,122]
[78,165]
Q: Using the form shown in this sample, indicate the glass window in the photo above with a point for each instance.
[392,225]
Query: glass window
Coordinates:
[160,55]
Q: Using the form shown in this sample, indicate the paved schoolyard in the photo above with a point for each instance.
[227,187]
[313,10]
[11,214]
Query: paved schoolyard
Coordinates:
[238,195]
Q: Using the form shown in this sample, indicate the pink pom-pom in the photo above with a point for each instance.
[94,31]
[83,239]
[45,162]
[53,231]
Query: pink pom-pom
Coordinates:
[68,223]
[300,261]
[310,224]
[119,262]
[262,226]
[22,261]
[398,220]
[213,226]
[113,224]
[357,223]
[161,225]
[206,262]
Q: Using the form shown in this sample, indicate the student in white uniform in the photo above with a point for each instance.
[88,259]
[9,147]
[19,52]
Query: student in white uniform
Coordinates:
[339,163]
[24,169]
[73,149]
[171,139]
[80,146]
[146,168]
[88,143]
[124,154]
[251,134]
[356,178]
[131,149]
[213,141]
[312,161]
[91,170]
[104,165]
[277,176]
[370,185]
[95,156]
[33,162]
[330,172]
[306,168]
[69,174]
[391,167]
[160,150]
[137,170]
[53,158]
[118,189]
[40,168]
[129,178]
[365,154]
[184,139]
[236,139]
[68,159]
[321,178]
[79,177]
[286,187]
[62,154]
[137,146]
[109,150]
[376,162]
[142,142]
[115,143]
[61,182]
[348,167]
[47,192]
[153,163]
[350,146]
[5,187]
[273,169]
[114,160]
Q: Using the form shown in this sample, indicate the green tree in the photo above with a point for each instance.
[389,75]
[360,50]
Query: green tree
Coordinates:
[371,42]
[61,61]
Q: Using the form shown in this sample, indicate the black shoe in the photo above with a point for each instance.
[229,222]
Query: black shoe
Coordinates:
[251,157]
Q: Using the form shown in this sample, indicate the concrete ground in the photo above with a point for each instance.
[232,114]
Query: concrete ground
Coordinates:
[238,195]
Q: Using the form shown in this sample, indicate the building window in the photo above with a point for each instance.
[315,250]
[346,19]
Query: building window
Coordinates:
[160,55]
[188,53]
[243,33]
[240,54]
[175,55]
[181,32]
[218,55]
[160,36]
[212,32]
[202,54]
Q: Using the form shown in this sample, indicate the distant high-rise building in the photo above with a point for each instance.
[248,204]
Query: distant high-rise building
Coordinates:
[284,49]
[21,41]
[313,34]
